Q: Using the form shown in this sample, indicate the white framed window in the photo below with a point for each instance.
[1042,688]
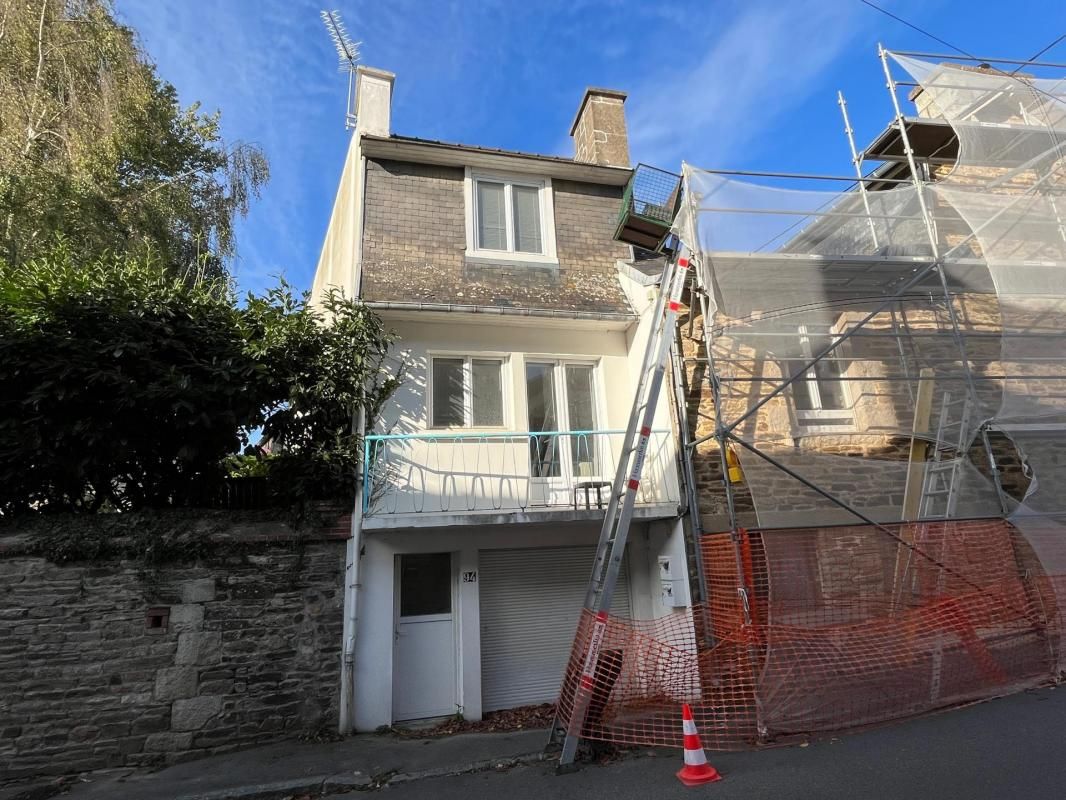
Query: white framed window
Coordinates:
[821,398]
[466,391]
[509,219]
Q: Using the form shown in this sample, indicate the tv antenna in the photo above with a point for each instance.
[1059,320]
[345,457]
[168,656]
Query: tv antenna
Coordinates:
[347,56]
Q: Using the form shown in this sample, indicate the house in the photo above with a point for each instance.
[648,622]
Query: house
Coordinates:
[877,418]
[521,324]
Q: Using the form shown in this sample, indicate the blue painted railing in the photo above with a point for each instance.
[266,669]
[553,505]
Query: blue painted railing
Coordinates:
[486,471]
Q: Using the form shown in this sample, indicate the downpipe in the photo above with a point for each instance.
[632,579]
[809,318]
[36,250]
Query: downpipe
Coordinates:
[346,716]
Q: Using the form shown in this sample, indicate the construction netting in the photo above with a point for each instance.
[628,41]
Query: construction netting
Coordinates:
[847,627]
[892,352]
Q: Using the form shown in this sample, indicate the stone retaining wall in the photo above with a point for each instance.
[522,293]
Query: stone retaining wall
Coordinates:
[103,665]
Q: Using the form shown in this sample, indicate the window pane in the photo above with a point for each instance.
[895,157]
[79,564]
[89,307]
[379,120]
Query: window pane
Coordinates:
[526,201]
[581,411]
[829,370]
[425,584]
[448,392]
[579,401]
[491,222]
[831,390]
[487,391]
[540,399]
[801,391]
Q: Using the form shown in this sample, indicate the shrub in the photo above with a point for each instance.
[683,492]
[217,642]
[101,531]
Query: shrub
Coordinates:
[125,388]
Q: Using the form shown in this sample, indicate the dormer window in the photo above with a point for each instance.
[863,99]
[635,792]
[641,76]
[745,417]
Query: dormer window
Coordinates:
[509,219]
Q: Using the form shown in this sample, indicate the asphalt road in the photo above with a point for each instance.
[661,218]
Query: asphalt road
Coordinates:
[1010,748]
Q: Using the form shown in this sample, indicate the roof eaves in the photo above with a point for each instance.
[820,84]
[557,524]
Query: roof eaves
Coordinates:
[472,148]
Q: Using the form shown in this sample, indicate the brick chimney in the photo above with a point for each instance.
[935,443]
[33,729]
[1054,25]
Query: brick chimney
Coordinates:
[373,100]
[599,129]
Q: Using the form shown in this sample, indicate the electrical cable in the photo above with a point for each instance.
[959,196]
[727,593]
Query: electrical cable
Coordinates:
[922,31]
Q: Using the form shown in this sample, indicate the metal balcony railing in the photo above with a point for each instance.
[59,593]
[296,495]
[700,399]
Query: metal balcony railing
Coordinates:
[427,473]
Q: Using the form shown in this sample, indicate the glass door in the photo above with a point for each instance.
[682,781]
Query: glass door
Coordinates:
[544,461]
[561,402]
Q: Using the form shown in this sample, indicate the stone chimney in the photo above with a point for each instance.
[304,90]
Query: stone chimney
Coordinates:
[373,100]
[599,129]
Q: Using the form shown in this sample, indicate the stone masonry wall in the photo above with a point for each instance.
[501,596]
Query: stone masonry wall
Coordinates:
[249,652]
[859,465]
[414,245]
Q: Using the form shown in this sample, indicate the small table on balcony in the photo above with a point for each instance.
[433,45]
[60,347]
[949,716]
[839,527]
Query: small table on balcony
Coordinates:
[590,486]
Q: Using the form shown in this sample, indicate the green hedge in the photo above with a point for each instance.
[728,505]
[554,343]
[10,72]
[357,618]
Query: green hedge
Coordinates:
[123,388]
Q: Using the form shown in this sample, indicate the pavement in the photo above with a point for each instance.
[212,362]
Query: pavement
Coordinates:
[364,762]
[1013,747]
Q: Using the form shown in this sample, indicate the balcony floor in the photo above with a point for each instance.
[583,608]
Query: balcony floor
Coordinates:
[438,519]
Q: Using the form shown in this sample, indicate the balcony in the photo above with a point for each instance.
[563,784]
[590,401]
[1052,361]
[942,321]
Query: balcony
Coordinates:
[427,479]
[651,200]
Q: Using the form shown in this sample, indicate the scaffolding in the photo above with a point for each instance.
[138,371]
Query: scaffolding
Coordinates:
[871,565]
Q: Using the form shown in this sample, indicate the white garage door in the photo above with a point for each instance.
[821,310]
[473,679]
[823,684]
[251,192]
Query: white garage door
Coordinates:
[530,603]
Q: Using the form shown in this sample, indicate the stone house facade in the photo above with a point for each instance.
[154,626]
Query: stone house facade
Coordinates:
[872,378]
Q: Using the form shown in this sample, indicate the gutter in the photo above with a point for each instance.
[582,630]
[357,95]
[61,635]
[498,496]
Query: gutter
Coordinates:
[454,308]
[353,551]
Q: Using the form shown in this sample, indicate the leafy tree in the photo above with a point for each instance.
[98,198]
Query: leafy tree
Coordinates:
[93,145]
[126,387]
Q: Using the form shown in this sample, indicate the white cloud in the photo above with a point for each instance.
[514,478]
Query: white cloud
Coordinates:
[723,90]
[271,69]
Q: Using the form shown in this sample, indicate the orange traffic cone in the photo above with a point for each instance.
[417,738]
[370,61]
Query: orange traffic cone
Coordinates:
[696,770]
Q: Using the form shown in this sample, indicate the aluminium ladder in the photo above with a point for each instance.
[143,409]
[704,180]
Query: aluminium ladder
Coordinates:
[940,481]
[615,530]
[940,486]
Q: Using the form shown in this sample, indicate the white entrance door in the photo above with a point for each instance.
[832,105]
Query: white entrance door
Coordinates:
[424,680]
[562,403]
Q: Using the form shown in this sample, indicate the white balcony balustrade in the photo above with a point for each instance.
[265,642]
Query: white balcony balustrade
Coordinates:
[500,472]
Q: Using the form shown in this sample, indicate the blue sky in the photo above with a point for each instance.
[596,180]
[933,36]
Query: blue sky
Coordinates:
[749,84]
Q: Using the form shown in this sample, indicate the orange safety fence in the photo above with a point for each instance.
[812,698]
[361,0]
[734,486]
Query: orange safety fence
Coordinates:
[844,627]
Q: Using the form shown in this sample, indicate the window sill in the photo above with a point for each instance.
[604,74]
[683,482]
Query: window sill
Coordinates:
[803,429]
[489,258]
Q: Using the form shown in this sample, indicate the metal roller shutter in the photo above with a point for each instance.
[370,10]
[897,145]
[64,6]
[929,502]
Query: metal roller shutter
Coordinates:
[530,603]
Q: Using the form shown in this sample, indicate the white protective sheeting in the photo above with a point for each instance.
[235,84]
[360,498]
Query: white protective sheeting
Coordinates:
[1010,186]
[792,272]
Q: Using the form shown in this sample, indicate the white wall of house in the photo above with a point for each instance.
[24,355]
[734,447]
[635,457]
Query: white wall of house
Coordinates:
[342,243]
[616,350]
[376,626]
[516,339]
[616,353]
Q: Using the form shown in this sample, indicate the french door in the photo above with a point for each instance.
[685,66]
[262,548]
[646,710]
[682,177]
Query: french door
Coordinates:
[561,401]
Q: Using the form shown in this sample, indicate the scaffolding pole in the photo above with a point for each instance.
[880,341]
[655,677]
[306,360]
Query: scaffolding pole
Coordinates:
[856,160]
